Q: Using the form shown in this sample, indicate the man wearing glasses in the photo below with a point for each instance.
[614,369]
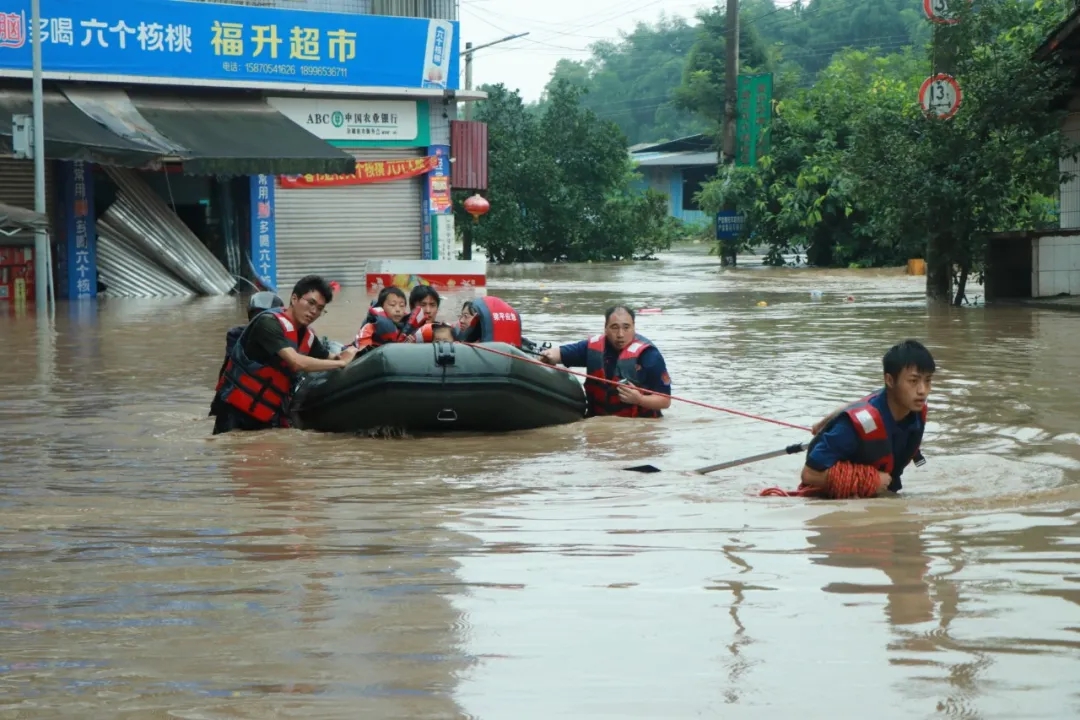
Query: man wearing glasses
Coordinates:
[256,385]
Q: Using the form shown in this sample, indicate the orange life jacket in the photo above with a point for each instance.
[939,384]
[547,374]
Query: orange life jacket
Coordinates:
[604,397]
[263,391]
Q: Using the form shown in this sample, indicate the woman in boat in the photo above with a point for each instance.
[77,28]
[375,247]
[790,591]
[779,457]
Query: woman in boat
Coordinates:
[489,319]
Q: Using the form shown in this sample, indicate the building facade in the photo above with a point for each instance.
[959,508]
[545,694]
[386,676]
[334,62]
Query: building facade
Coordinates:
[678,169]
[258,141]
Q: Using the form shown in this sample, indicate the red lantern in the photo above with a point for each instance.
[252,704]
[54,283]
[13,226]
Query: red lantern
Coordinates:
[477,206]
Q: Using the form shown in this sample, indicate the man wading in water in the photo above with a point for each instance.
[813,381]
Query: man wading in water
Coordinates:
[883,430]
[619,354]
[256,384]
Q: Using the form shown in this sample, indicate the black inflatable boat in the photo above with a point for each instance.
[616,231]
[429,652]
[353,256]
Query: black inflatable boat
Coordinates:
[437,387]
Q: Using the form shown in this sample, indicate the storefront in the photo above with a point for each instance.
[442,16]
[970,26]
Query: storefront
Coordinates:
[333,224]
[197,116]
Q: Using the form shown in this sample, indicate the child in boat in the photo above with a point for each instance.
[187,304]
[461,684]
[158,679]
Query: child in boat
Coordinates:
[386,322]
[441,332]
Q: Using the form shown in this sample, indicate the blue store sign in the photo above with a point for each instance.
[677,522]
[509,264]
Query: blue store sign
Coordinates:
[120,40]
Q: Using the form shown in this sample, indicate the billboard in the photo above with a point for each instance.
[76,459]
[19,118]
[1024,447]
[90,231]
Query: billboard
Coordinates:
[197,43]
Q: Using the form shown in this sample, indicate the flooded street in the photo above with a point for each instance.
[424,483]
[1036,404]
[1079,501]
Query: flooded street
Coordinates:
[148,570]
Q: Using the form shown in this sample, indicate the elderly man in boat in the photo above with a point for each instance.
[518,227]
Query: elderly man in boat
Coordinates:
[627,373]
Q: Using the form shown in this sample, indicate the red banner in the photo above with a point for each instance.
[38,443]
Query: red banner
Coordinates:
[367,171]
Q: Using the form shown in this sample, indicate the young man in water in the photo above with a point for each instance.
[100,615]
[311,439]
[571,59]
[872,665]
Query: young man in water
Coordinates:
[619,354]
[883,430]
[273,348]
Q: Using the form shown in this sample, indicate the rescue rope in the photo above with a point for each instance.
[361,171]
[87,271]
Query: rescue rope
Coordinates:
[843,481]
[707,406]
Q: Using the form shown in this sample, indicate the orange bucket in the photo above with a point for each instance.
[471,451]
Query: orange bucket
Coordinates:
[916,266]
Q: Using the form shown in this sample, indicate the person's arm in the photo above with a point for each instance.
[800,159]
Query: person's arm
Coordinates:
[654,378]
[302,363]
[838,443]
[569,355]
[269,336]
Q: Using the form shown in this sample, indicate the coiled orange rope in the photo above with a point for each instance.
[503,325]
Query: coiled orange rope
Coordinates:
[844,480]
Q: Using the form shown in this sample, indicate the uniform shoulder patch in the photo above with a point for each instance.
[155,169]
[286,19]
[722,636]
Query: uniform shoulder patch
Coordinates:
[866,419]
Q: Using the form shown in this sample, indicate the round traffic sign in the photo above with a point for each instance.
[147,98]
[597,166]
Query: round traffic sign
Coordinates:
[940,96]
[942,12]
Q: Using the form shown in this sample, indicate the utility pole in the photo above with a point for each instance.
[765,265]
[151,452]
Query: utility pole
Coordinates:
[41,239]
[728,251]
[466,240]
[468,53]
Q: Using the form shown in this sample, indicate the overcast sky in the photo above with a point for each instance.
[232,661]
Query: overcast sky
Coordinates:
[557,28]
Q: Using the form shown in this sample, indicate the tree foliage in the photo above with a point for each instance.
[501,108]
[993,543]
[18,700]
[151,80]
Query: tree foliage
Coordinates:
[560,186]
[857,172]
[666,80]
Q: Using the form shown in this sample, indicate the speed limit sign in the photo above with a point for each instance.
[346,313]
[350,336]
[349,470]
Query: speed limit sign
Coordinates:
[942,12]
[940,96]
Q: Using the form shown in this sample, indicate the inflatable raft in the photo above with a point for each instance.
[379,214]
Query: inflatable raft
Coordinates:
[437,387]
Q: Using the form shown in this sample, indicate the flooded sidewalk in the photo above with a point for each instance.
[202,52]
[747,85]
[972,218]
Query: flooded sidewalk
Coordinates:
[148,570]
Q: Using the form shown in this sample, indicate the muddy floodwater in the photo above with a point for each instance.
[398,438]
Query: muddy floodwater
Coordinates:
[148,570]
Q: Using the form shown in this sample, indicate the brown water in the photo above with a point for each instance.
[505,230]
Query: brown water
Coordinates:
[149,571]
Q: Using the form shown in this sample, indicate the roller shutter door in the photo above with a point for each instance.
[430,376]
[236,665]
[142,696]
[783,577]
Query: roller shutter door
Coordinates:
[333,231]
[17,188]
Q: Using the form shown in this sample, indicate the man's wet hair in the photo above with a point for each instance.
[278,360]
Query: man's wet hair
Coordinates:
[387,292]
[313,282]
[420,292]
[910,353]
[616,308]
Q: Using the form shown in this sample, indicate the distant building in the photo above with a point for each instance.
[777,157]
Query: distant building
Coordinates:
[677,168]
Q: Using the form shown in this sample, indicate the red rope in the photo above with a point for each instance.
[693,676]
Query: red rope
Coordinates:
[843,481]
[707,406]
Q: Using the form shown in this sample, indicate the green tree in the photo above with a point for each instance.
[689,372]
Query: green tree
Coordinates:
[940,186]
[560,186]
[702,88]
[803,197]
[631,81]
[858,174]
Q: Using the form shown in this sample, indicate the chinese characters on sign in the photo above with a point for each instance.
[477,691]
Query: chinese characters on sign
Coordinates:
[353,120]
[81,261]
[373,171]
[227,42]
[82,244]
[754,110]
[728,225]
[263,243]
[147,37]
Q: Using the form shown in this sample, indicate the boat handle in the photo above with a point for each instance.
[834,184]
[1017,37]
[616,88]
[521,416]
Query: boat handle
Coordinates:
[447,415]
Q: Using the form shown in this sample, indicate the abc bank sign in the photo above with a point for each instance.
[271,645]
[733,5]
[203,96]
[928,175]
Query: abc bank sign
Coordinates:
[352,120]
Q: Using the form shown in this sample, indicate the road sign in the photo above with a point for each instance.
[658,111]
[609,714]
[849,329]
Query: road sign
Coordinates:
[942,12]
[728,224]
[940,96]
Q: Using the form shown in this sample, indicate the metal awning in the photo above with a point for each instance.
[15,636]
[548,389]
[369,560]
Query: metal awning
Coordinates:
[70,134]
[14,218]
[239,137]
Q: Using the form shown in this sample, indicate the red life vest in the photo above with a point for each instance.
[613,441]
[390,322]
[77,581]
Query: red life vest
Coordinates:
[263,391]
[604,397]
[378,329]
[497,321]
[875,445]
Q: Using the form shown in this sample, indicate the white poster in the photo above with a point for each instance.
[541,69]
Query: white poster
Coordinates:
[333,119]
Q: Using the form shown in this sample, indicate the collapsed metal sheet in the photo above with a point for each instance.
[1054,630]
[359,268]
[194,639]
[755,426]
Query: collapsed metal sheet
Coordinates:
[127,272]
[161,235]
